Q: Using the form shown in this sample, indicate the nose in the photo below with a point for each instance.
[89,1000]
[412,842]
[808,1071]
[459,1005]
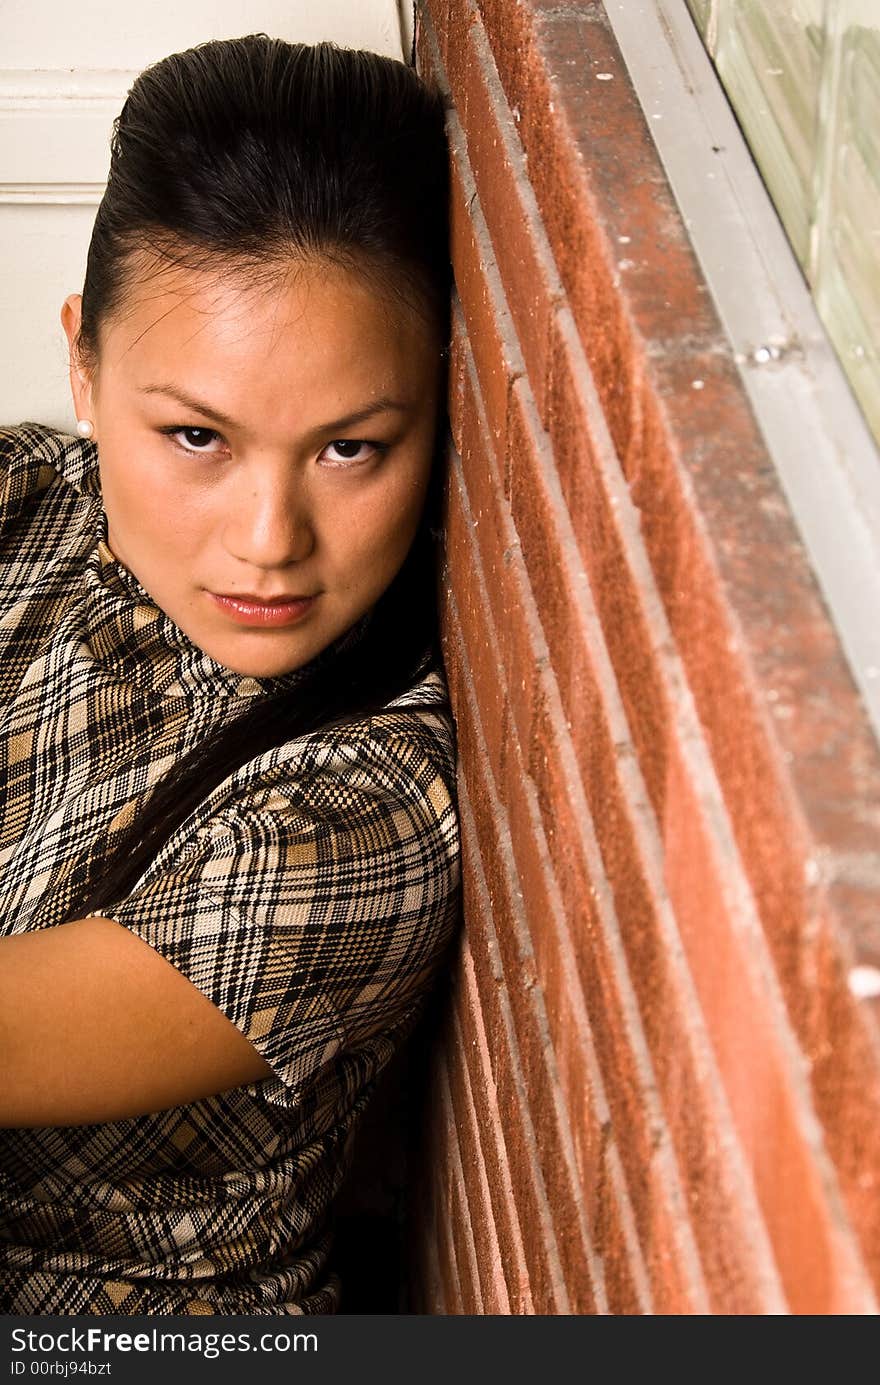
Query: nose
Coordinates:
[268,523]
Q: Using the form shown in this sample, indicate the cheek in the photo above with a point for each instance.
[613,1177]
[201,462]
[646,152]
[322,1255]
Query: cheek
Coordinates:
[386,520]
[147,504]
[361,550]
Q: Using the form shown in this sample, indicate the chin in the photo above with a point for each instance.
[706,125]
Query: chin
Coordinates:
[255,656]
[268,653]
[262,668]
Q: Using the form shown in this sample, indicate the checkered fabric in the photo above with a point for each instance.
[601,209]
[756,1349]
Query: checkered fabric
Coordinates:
[311,898]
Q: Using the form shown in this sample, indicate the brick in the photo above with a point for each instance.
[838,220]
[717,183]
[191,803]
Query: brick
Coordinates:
[727,527]
[546,1282]
[616,1029]
[570,1030]
[521,641]
[539,1078]
[525,39]
[525,263]
[511,33]
[479,474]
[490,1123]
[471,746]
[608,549]
[524,654]
[490,330]
[428,1291]
[763,1072]
[440,1202]
[646,1152]
[779,882]
[423,1291]
[618,110]
[577,651]
[606,527]
[556,972]
[843,1068]
[546,38]
[567,1030]
[458,364]
[619,244]
[599,142]
[626,1279]
[795,761]
[432,16]
[768,821]
[564,1194]
[489,815]
[564,619]
[461,16]
[459,1204]
[488,809]
[429,57]
[726,1222]
[479,644]
[502,646]
[493,1287]
[575,640]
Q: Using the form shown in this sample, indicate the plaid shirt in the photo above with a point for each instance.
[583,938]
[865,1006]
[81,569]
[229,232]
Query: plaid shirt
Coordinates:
[310,897]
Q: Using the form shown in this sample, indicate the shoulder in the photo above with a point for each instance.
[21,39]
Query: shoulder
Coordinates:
[415,725]
[412,737]
[26,465]
[33,456]
[392,768]
[374,787]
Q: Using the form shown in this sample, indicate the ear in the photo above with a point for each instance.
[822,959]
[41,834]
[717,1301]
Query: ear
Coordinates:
[80,379]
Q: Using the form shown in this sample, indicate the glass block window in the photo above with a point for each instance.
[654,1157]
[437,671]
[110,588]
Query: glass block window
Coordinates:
[804,79]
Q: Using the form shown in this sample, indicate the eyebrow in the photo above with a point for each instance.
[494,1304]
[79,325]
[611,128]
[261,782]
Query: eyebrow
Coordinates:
[382,405]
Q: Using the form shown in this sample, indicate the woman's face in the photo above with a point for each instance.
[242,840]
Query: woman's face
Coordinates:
[260,446]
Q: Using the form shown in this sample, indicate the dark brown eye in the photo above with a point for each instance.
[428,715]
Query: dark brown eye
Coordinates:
[198,437]
[343,450]
[195,439]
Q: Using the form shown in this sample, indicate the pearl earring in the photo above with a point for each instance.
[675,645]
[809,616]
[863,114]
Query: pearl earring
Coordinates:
[84,427]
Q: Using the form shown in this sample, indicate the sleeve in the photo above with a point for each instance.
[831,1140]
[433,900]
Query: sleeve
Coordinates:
[314,904]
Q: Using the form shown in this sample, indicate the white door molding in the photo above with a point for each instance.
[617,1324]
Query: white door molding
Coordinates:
[54,133]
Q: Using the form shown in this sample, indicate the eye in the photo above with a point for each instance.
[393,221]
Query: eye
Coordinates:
[195,439]
[350,451]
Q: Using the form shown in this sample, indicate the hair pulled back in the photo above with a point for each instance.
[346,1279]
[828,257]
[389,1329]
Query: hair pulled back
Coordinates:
[244,155]
[249,152]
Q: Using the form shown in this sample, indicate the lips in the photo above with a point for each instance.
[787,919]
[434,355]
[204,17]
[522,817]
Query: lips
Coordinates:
[251,599]
[248,609]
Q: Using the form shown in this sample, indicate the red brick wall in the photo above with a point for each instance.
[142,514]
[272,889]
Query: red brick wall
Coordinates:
[654,1089]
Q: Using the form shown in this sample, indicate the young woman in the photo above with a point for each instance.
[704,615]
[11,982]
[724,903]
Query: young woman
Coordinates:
[228,834]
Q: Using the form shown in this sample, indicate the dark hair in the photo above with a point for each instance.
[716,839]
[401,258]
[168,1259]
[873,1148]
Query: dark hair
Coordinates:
[249,151]
[246,153]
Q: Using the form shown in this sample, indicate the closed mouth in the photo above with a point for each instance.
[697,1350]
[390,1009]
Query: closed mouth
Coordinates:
[263,612]
[250,599]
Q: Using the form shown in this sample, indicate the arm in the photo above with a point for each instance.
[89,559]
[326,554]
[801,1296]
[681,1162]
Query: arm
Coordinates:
[304,915]
[95,1025]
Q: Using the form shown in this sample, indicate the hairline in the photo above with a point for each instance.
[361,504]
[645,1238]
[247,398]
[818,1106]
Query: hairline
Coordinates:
[259,272]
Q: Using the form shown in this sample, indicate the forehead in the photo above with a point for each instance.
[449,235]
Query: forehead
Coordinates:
[307,330]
